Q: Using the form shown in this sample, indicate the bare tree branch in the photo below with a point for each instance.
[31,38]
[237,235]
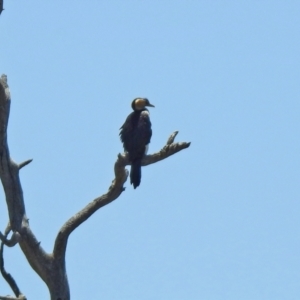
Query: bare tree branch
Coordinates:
[172,138]
[24,163]
[166,151]
[21,297]
[113,193]
[7,276]
[52,273]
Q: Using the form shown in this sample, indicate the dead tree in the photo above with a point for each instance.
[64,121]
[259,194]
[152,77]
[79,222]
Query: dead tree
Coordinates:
[51,267]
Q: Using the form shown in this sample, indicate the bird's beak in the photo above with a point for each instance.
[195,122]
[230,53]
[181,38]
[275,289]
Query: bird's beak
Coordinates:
[151,105]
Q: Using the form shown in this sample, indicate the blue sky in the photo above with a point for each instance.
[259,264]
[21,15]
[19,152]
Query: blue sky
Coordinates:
[219,220]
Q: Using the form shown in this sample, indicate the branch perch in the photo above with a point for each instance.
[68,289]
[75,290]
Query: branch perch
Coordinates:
[114,191]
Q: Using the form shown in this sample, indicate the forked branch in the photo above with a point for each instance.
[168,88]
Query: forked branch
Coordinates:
[15,238]
[113,193]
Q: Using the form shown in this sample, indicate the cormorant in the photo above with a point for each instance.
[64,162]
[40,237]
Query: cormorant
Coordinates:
[136,134]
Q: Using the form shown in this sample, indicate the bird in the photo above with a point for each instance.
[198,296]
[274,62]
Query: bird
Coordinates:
[135,135]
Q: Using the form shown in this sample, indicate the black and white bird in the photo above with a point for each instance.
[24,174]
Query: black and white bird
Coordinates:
[136,134]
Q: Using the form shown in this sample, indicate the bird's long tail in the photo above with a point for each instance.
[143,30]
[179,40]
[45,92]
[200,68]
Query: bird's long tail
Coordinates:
[136,173]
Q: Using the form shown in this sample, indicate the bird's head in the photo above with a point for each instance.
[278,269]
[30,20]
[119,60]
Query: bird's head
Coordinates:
[140,103]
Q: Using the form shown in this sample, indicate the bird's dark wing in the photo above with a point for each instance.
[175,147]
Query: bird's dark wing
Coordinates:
[144,128]
[136,134]
[126,130]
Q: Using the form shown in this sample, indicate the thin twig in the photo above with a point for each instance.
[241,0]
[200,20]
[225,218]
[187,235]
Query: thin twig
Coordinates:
[24,163]
[172,138]
[7,276]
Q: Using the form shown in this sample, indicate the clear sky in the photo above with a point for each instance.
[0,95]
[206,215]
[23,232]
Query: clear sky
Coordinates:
[217,221]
